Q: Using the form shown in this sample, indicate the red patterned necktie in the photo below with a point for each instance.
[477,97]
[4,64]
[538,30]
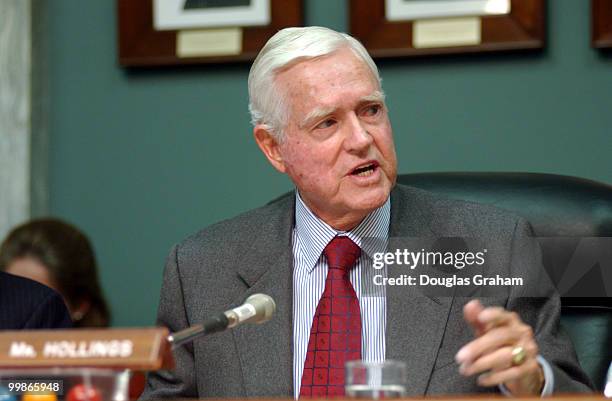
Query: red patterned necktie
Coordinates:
[335,334]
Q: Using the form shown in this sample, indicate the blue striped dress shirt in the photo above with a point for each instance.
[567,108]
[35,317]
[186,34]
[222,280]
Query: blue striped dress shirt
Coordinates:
[310,236]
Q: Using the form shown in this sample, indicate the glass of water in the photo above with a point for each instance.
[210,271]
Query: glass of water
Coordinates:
[375,380]
[608,388]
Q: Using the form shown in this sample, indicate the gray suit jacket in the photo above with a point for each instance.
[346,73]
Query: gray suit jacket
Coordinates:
[223,264]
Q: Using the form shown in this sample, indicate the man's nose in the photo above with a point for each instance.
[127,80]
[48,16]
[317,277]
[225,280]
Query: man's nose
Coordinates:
[358,138]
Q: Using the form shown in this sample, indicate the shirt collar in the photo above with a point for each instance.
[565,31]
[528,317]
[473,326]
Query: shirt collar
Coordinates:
[314,234]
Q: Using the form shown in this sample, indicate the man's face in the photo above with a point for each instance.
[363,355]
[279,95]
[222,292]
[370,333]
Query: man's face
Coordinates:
[338,146]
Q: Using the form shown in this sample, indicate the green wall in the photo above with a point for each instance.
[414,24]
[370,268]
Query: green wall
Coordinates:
[140,159]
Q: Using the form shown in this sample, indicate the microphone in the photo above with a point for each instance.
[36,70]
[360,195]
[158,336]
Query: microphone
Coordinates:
[258,308]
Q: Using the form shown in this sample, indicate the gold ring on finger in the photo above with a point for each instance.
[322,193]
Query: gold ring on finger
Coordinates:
[518,355]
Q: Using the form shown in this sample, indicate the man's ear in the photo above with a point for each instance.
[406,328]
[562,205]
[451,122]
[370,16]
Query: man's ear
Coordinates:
[269,146]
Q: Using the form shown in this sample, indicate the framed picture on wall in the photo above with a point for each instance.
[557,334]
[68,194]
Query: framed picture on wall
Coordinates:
[398,28]
[409,10]
[186,14]
[174,32]
[601,23]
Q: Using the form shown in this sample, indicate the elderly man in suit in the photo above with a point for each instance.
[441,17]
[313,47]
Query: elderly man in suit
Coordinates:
[319,116]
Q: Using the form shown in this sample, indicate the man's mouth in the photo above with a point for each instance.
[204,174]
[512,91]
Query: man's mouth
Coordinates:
[365,170]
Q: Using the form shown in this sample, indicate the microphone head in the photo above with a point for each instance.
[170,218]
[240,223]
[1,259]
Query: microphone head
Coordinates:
[264,307]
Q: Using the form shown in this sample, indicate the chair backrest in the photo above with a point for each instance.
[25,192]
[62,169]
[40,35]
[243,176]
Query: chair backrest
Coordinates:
[556,206]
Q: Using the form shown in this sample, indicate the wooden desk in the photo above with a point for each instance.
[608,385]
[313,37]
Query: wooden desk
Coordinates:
[576,397]
[479,397]
[476,397]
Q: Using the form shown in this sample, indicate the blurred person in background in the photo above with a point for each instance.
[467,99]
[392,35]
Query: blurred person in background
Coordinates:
[60,256]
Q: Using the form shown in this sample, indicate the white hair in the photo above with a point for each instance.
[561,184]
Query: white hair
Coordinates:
[289,46]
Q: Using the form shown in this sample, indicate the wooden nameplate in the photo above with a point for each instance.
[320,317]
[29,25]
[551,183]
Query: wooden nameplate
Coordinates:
[135,349]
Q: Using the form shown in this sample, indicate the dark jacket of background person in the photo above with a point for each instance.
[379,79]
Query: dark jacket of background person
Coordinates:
[26,304]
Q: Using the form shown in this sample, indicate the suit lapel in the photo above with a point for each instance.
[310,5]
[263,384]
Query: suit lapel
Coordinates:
[415,321]
[266,351]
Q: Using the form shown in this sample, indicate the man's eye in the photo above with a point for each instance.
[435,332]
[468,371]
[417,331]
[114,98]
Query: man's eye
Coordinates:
[372,110]
[326,124]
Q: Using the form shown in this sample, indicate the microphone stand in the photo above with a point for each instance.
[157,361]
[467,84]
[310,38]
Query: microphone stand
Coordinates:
[214,324]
